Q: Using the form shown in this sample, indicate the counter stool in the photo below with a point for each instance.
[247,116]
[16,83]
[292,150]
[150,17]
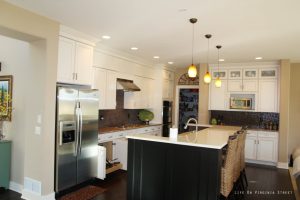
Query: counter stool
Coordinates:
[243,164]
[227,171]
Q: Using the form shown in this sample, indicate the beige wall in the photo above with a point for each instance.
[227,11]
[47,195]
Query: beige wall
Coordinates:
[284,110]
[42,34]
[294,115]
[203,113]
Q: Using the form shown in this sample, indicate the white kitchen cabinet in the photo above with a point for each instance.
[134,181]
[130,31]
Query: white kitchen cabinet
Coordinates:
[242,86]
[268,73]
[250,73]
[168,85]
[120,152]
[75,62]
[106,82]
[218,96]
[251,147]
[235,74]
[222,73]
[250,86]
[262,147]
[235,86]
[268,96]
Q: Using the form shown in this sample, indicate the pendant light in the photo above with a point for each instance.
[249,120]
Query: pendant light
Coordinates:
[218,82]
[207,77]
[192,71]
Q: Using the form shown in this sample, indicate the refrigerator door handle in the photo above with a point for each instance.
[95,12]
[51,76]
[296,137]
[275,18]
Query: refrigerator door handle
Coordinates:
[76,129]
[80,130]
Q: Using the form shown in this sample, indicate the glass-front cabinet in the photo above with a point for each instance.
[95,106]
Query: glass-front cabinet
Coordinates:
[221,73]
[235,74]
[250,73]
[268,73]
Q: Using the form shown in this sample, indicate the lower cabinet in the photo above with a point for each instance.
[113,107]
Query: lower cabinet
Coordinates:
[262,146]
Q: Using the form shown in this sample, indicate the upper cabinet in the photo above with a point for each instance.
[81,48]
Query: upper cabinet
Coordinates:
[222,73]
[75,61]
[168,84]
[106,82]
[260,81]
[268,73]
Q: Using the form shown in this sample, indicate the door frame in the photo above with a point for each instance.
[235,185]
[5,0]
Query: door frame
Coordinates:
[176,106]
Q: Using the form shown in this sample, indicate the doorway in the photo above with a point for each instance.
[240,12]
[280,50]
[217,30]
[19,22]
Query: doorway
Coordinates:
[187,103]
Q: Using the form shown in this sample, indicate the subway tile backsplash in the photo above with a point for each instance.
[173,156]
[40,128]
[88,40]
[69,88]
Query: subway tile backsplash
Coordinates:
[119,116]
[250,119]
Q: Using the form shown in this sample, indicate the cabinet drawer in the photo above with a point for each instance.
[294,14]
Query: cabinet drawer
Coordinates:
[251,133]
[267,134]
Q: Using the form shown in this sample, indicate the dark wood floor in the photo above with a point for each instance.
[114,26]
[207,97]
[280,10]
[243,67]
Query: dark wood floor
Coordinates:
[264,183]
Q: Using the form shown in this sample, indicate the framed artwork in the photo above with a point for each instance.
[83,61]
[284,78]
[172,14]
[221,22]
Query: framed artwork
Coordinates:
[6,84]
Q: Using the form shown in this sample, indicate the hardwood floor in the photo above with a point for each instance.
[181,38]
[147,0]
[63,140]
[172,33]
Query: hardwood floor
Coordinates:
[264,183]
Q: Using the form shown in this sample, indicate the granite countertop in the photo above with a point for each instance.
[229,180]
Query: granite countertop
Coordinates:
[215,137]
[112,129]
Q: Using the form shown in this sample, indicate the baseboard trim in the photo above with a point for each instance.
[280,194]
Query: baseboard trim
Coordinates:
[261,162]
[16,187]
[28,195]
[283,165]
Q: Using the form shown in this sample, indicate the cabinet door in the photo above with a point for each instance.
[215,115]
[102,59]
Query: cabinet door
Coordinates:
[218,96]
[120,151]
[250,148]
[165,89]
[268,73]
[235,74]
[235,86]
[99,82]
[250,74]
[250,85]
[266,149]
[66,60]
[268,96]
[83,63]
[221,73]
[111,90]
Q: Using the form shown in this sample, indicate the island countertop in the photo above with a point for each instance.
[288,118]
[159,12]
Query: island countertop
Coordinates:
[215,137]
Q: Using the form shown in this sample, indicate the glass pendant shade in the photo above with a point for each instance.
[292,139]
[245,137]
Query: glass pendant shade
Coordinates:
[218,82]
[207,78]
[192,71]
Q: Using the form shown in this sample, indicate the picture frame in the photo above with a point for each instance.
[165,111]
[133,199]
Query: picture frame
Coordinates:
[6,86]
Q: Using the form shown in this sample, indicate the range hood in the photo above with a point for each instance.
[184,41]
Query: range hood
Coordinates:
[127,85]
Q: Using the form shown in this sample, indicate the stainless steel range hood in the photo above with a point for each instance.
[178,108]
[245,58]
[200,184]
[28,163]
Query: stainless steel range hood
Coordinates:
[127,85]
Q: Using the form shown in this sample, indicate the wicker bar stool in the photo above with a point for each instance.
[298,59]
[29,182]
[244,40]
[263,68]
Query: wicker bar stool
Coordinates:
[243,164]
[227,171]
[238,153]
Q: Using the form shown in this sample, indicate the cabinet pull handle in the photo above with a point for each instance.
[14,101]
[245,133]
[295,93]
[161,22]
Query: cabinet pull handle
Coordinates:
[257,141]
[76,75]
[254,141]
[73,75]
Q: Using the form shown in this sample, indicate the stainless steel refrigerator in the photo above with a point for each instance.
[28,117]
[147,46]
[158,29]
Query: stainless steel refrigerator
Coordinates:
[76,136]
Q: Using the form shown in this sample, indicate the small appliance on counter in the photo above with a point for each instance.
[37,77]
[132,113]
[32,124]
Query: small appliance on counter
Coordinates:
[76,147]
[167,118]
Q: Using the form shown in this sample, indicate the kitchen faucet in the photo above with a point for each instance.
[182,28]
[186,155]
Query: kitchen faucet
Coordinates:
[188,123]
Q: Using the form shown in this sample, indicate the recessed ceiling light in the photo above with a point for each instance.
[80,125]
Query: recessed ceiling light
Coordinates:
[221,60]
[106,37]
[134,48]
[156,57]
[258,58]
[170,63]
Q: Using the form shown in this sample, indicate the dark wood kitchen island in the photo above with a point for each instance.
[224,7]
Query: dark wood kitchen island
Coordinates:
[186,168]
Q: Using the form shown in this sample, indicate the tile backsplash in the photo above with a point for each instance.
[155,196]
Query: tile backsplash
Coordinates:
[119,116]
[250,119]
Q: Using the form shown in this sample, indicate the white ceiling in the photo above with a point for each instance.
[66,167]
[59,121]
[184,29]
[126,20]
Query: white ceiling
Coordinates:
[245,28]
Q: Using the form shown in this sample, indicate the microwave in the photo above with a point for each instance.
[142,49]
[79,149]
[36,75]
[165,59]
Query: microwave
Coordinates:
[241,103]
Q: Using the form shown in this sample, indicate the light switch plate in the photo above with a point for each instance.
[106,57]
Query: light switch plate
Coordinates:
[37,130]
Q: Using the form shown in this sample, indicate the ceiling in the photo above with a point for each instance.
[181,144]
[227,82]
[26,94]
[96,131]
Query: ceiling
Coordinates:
[245,29]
